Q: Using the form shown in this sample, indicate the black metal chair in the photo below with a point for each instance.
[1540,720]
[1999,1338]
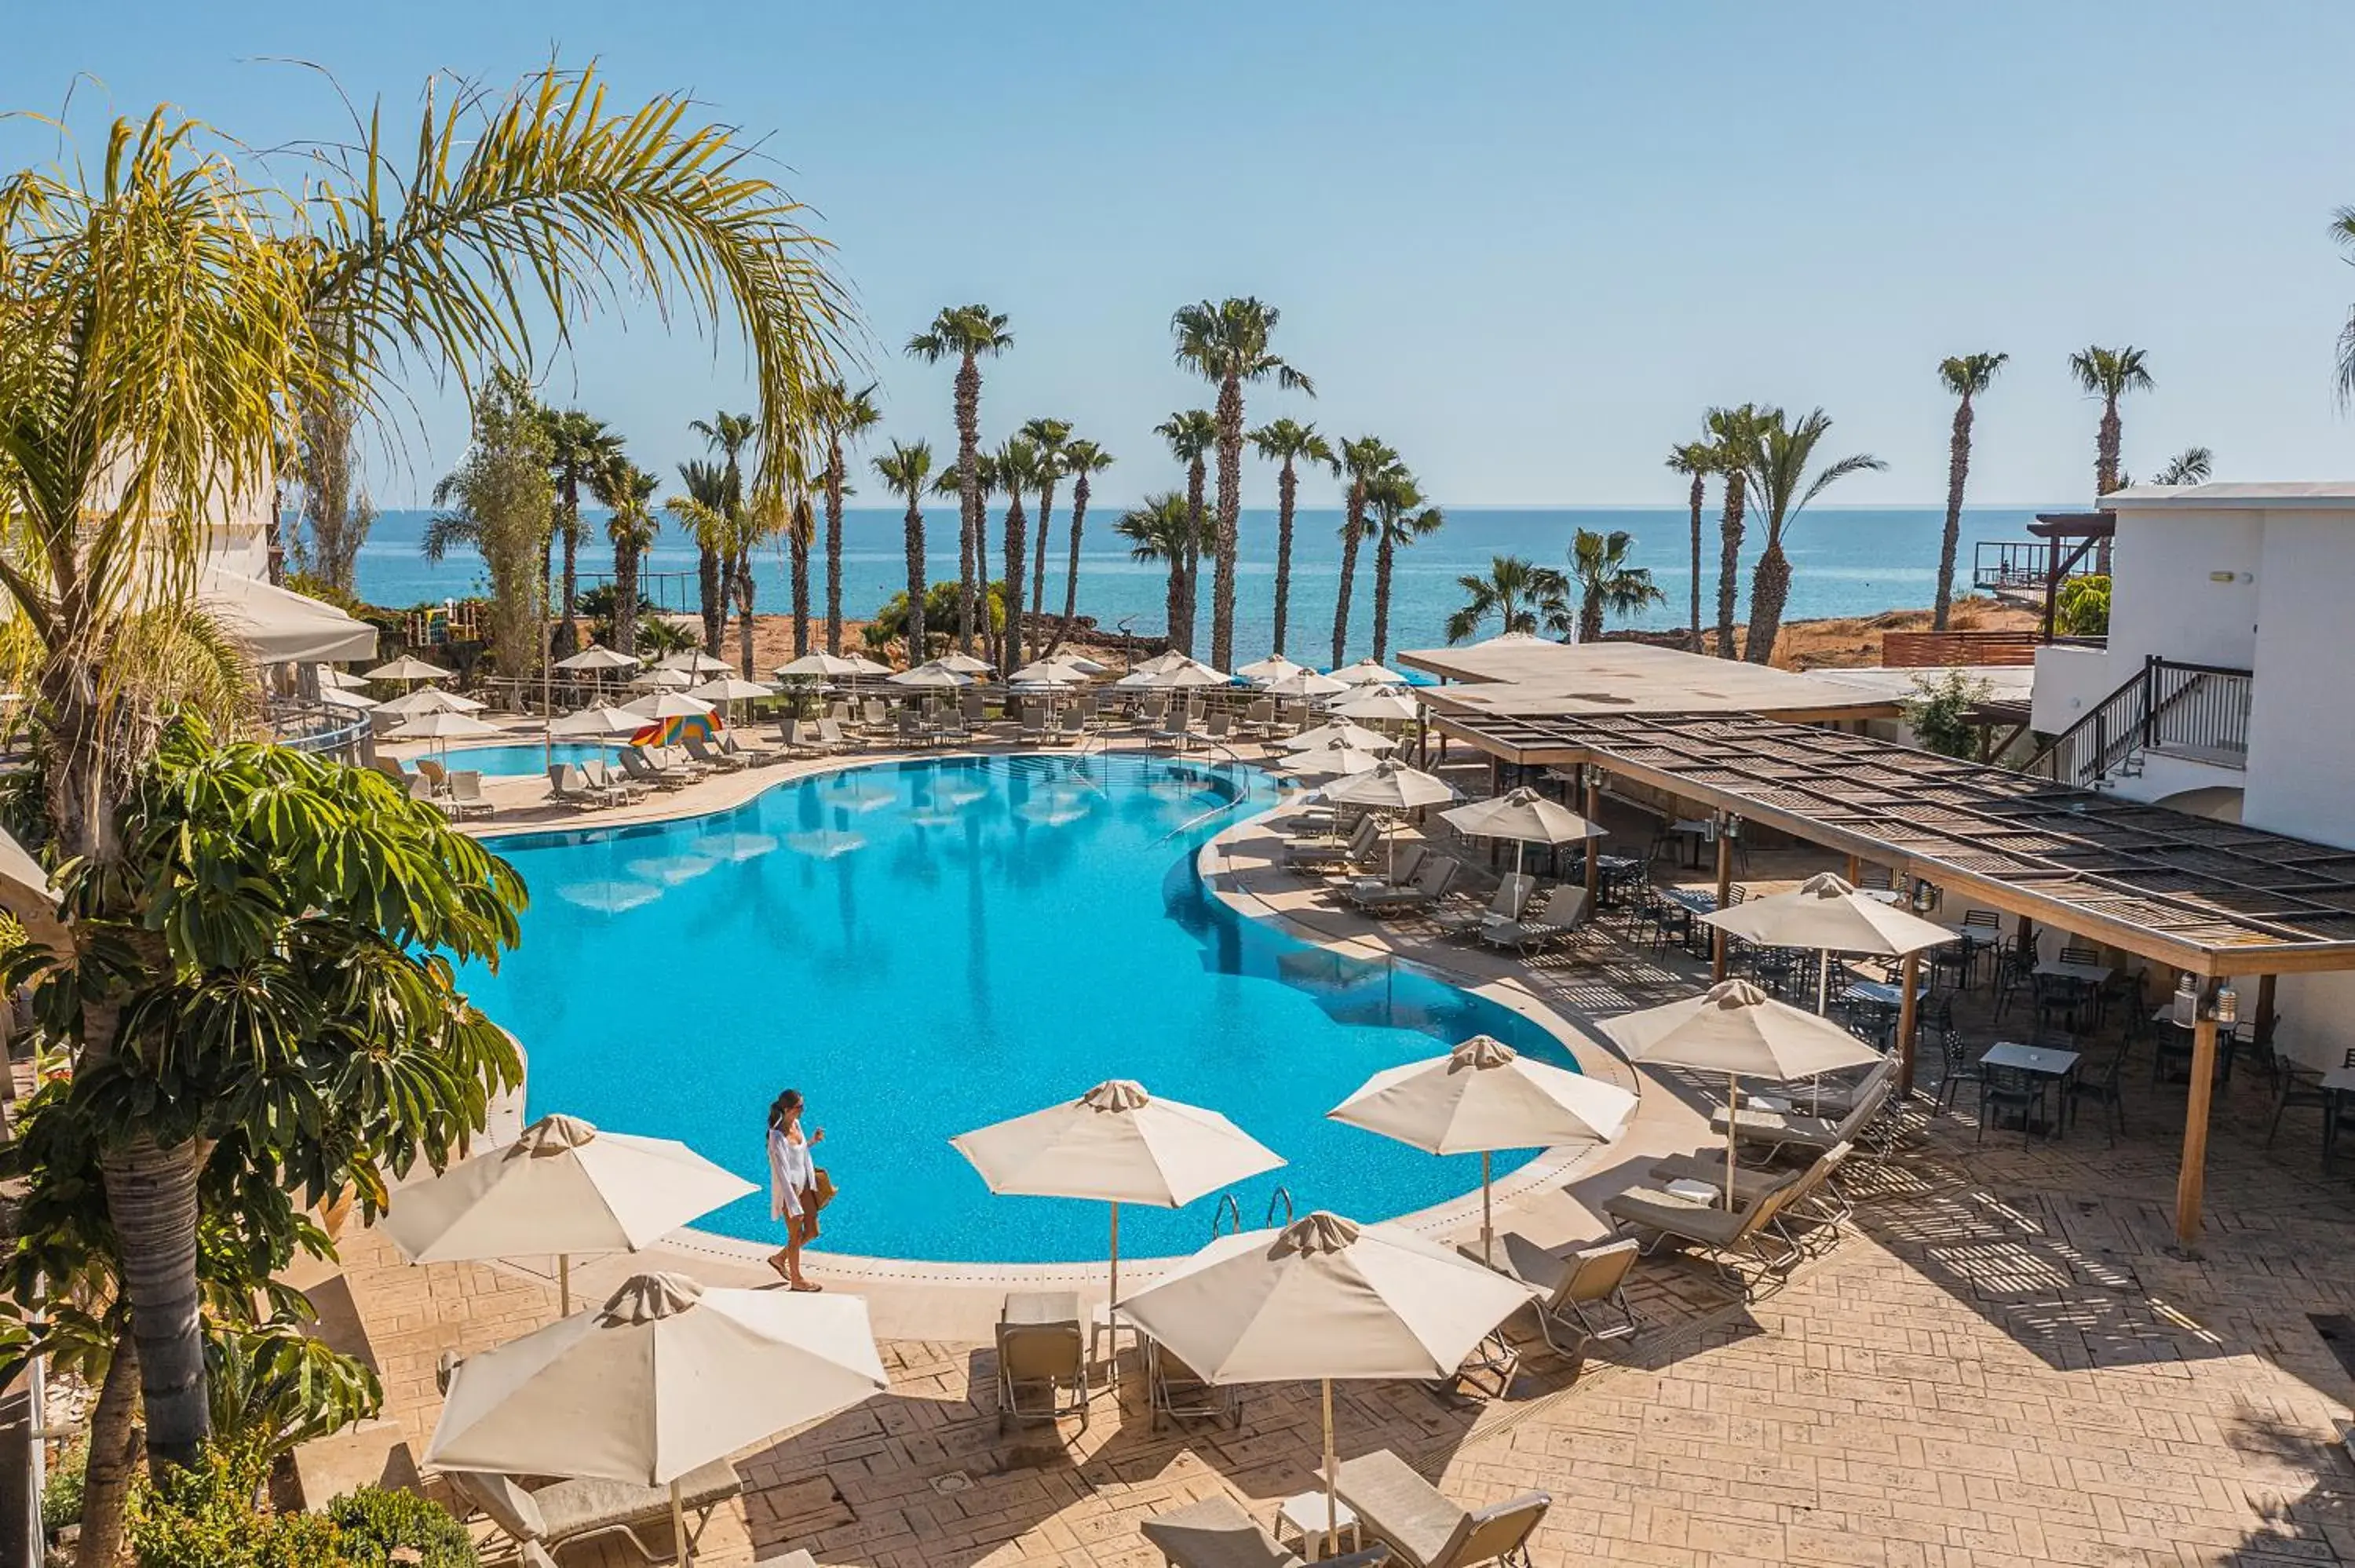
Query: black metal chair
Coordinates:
[2301,1089]
[2097,1079]
[1957,1067]
[2012,1088]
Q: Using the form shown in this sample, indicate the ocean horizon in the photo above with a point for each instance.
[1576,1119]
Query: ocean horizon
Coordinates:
[1845,561]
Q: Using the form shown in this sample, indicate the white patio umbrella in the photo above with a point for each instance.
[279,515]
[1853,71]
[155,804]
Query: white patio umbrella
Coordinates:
[406,668]
[1333,760]
[442,728]
[1324,1298]
[1368,672]
[1304,683]
[1523,816]
[1340,732]
[822,666]
[1044,673]
[1079,661]
[668,1376]
[1171,678]
[964,664]
[1738,1029]
[1483,1097]
[1826,913]
[1172,659]
[598,723]
[597,657]
[1391,787]
[729,690]
[936,675]
[869,666]
[692,663]
[1115,1144]
[341,680]
[564,1186]
[1387,703]
[667,705]
[429,700]
[340,697]
[1275,667]
[662,680]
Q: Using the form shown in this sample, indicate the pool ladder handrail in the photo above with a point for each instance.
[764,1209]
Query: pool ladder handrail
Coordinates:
[1228,1205]
[1283,1194]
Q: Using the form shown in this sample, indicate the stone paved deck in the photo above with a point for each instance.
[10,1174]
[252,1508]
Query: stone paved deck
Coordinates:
[2004,1361]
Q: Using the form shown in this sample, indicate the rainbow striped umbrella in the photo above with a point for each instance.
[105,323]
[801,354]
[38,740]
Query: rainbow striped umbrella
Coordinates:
[674,730]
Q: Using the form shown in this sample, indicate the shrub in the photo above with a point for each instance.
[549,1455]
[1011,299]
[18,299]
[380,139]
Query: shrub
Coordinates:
[61,1492]
[2082,609]
[205,1517]
[375,1523]
[1940,712]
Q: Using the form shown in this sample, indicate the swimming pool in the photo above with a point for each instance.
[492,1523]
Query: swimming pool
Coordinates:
[521,761]
[925,946]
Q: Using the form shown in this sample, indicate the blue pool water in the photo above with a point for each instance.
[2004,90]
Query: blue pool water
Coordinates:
[521,761]
[927,947]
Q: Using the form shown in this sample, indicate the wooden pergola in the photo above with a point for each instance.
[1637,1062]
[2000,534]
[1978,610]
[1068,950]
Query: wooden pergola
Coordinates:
[2211,899]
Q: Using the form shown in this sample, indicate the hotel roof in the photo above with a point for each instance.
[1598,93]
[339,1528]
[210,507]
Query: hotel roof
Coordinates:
[1532,676]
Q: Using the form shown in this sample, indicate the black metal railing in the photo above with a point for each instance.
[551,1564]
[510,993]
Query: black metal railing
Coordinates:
[2020,565]
[2200,711]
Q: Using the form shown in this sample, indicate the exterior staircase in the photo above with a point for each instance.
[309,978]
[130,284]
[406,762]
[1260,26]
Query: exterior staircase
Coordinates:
[2196,711]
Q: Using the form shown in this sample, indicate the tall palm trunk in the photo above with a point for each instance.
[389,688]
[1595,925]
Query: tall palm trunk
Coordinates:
[969,511]
[1072,572]
[1728,562]
[912,544]
[151,1198]
[1958,468]
[1287,490]
[114,1456]
[708,592]
[1353,530]
[2106,450]
[567,629]
[1017,542]
[797,552]
[1383,552]
[1174,597]
[1699,494]
[1770,589]
[625,598]
[1590,614]
[1230,499]
[834,545]
[1192,604]
[1039,559]
[743,572]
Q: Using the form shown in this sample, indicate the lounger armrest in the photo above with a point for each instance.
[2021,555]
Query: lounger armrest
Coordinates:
[503,1502]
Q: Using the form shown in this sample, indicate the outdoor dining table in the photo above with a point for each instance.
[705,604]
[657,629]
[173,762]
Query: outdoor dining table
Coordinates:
[1882,993]
[2083,974]
[1695,833]
[1692,901]
[2047,1063]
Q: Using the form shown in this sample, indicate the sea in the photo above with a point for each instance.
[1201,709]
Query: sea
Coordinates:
[1845,561]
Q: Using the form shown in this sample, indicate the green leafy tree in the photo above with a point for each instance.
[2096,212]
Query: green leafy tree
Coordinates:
[1366,462]
[1606,582]
[1226,344]
[1192,435]
[1966,375]
[2109,374]
[966,333]
[1784,473]
[2082,609]
[845,417]
[1517,591]
[906,471]
[1942,711]
[1163,528]
[497,502]
[274,1388]
[1289,444]
[1696,461]
[337,513]
[578,448]
[1082,460]
[1400,516]
[627,490]
[1733,432]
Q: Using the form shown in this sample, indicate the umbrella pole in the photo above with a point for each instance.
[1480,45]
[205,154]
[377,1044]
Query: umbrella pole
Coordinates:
[564,1285]
[678,1529]
[1332,1479]
[1115,1253]
[1823,983]
[1733,1113]
[1487,1216]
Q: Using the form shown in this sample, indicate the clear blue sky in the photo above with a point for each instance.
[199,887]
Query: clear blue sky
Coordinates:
[1526,243]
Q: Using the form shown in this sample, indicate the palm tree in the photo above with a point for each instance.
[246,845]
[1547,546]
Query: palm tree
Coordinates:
[1366,462]
[1779,464]
[1966,375]
[165,323]
[2192,465]
[1081,460]
[1163,528]
[1192,435]
[629,491]
[1018,463]
[1400,516]
[1606,582]
[965,333]
[845,417]
[1697,460]
[729,435]
[2109,374]
[906,471]
[1517,591]
[1049,436]
[1226,345]
[797,520]
[1287,441]
[1733,432]
[578,448]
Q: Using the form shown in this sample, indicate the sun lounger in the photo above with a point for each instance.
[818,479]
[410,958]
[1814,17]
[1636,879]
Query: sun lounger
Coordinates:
[829,730]
[1422,1528]
[675,759]
[1318,853]
[915,731]
[568,786]
[569,1513]
[610,781]
[1217,1533]
[1396,869]
[1585,1288]
[1555,920]
[1729,1238]
[1073,728]
[702,751]
[1513,890]
[421,787]
[1794,1129]
[752,756]
[1041,1350]
[392,769]
[1432,880]
[1813,1201]
[1176,1390]
[466,798]
[642,769]
[433,773]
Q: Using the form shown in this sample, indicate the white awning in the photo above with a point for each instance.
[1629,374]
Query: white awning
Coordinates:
[280,627]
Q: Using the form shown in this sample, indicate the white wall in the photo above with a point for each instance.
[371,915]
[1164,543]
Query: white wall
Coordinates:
[2302,715]
[2068,682]
[2163,595]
